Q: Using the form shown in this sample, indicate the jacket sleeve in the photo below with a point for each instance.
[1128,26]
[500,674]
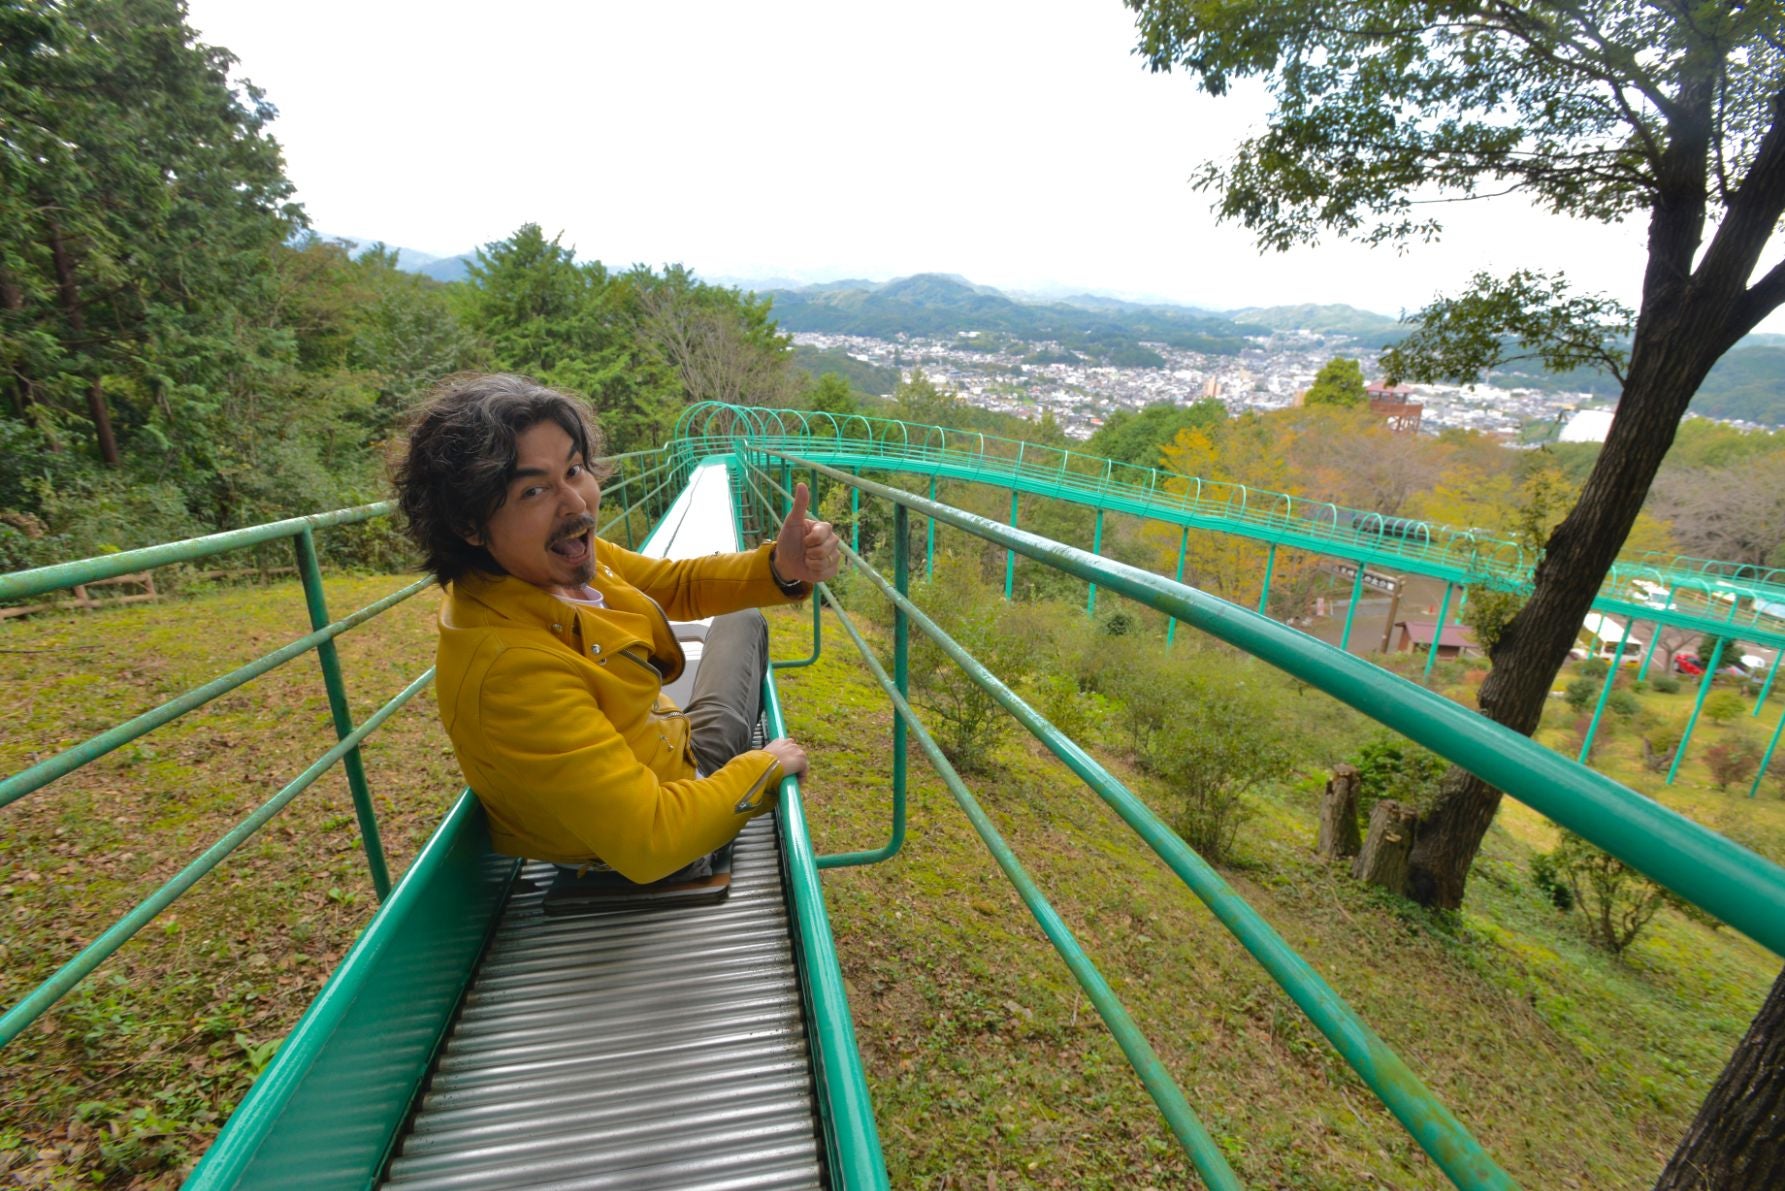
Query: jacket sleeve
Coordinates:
[695,588]
[554,761]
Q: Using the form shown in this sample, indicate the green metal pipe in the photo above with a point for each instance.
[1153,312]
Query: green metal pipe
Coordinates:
[1179,1116]
[1649,656]
[93,954]
[1437,634]
[855,516]
[1430,1124]
[902,681]
[1357,587]
[929,549]
[1704,688]
[1009,555]
[852,1142]
[1766,688]
[1730,882]
[1171,623]
[310,572]
[23,584]
[1264,595]
[817,600]
[1611,676]
[1096,548]
[67,761]
[1767,760]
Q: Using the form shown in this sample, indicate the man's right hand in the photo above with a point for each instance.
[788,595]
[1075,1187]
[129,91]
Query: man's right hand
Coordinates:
[791,756]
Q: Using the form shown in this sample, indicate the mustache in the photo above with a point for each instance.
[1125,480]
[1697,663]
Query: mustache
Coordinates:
[576,527]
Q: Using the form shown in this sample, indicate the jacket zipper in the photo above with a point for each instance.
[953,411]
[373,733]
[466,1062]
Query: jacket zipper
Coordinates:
[751,800]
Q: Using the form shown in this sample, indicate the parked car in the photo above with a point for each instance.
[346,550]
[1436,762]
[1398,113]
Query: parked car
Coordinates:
[1688,664]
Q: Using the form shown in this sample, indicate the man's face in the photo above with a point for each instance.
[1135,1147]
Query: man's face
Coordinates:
[545,530]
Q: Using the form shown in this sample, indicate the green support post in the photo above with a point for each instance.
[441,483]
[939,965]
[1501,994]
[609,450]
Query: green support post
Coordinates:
[1704,688]
[855,513]
[1270,564]
[929,546]
[1437,633]
[1617,659]
[1010,555]
[1171,624]
[1357,587]
[1772,672]
[310,571]
[1648,657]
[1096,548]
[1768,759]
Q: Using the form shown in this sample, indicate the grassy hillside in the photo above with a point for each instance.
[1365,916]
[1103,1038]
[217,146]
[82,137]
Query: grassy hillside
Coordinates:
[986,1066]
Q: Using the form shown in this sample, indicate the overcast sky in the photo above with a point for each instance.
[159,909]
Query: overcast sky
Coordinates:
[1019,144]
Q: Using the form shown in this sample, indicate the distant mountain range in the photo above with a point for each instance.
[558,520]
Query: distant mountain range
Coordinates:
[1748,384]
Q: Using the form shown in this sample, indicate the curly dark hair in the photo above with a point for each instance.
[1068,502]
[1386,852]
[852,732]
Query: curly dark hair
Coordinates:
[461,458]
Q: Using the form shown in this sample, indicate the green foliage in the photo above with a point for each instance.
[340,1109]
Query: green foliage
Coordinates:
[1615,901]
[1339,382]
[1529,315]
[1594,668]
[1665,684]
[1623,703]
[1488,612]
[1136,437]
[876,379]
[1720,707]
[1390,766]
[1582,693]
[918,399]
[1732,762]
[831,394]
[968,722]
[1549,880]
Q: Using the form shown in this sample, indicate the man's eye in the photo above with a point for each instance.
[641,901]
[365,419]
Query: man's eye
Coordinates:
[576,469]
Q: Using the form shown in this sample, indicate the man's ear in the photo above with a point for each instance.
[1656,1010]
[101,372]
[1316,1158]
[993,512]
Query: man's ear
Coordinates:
[470,534]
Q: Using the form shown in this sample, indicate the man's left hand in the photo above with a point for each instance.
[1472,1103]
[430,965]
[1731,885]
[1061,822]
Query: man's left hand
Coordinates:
[806,551]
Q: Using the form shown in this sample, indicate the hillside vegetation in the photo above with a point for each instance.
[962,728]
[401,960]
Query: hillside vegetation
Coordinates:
[1572,1067]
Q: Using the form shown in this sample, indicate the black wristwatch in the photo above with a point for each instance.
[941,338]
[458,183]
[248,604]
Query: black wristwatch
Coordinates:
[794,587]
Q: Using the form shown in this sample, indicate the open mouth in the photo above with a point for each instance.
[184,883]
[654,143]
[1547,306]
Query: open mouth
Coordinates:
[573,549]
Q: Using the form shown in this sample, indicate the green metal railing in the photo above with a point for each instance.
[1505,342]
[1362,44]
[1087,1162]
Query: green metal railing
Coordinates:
[661,468]
[1737,886]
[1468,556]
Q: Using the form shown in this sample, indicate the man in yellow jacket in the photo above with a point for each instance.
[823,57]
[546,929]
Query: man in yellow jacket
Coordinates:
[555,645]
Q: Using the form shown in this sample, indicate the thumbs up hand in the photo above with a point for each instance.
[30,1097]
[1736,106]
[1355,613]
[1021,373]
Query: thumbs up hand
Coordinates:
[806,551]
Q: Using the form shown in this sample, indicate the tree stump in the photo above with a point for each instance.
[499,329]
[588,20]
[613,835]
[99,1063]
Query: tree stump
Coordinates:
[1338,836]
[1384,859]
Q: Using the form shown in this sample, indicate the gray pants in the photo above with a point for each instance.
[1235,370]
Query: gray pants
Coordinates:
[727,699]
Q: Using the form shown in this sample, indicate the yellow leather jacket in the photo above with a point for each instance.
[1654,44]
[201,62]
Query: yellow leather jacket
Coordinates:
[558,718]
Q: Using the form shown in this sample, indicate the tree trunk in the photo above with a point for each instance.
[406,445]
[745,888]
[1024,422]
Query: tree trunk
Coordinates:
[12,300]
[69,294]
[1387,848]
[1674,349]
[1737,1141]
[1338,816]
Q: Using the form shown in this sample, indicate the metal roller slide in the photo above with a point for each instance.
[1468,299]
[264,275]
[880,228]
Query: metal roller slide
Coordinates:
[646,1048]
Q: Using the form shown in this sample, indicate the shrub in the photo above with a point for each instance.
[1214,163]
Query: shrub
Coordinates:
[1223,745]
[1594,668]
[1666,684]
[1616,902]
[1581,693]
[1390,766]
[966,720]
[1723,706]
[1623,703]
[1732,762]
[1488,612]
